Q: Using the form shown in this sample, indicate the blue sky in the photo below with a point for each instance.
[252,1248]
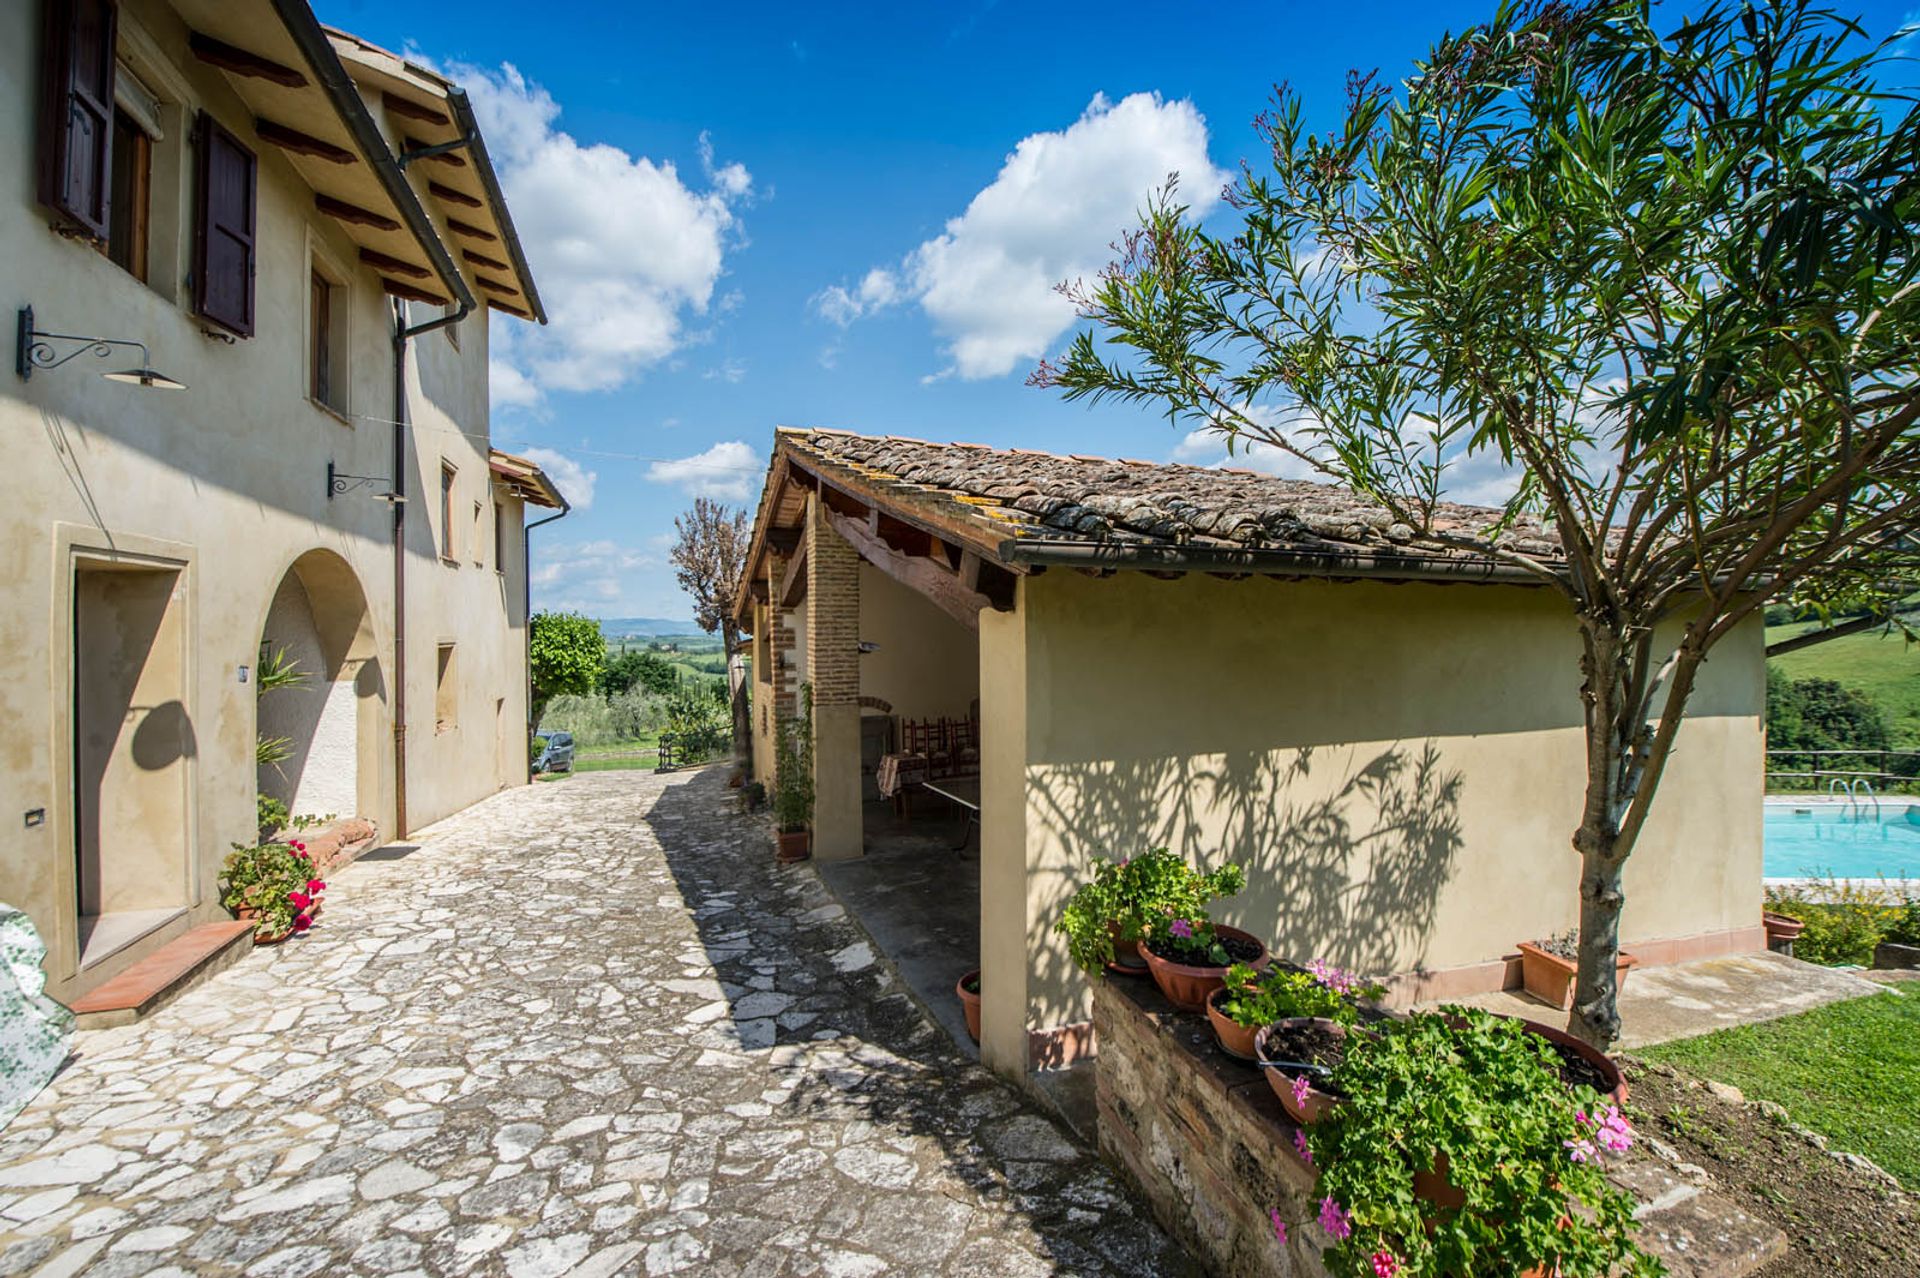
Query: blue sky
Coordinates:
[748,215]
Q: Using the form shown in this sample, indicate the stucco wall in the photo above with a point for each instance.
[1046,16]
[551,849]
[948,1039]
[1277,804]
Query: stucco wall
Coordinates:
[927,664]
[224,483]
[1398,767]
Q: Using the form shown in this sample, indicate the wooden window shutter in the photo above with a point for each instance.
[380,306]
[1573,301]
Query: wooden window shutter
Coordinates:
[223,247]
[76,111]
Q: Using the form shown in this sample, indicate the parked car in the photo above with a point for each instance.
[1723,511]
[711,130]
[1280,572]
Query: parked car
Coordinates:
[556,752]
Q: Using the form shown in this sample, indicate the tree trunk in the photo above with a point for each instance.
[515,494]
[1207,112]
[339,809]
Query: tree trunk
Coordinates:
[1595,1018]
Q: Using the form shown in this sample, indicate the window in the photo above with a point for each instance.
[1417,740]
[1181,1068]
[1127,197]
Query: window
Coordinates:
[447,549]
[223,243]
[499,536]
[127,216]
[446,698]
[479,538]
[327,340]
[76,112]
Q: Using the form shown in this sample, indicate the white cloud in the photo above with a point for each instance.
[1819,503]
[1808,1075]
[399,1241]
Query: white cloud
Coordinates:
[1052,214]
[728,471]
[574,481]
[623,250]
[586,576]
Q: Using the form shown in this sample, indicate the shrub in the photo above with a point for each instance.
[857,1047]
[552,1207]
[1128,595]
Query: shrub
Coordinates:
[275,880]
[793,767]
[1522,1149]
[1844,923]
[1133,895]
[1255,999]
[1905,927]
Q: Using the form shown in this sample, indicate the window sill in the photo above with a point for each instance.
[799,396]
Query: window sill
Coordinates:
[326,409]
[449,561]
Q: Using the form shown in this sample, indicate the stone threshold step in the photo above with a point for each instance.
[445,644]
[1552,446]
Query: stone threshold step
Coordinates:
[172,969]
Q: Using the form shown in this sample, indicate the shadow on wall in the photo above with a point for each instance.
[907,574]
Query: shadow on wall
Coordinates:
[1346,855]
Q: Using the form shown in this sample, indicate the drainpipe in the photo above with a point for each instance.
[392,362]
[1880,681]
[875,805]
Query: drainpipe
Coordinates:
[400,335]
[526,611]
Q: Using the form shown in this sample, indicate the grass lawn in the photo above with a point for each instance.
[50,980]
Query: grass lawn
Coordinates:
[1883,667]
[1850,1071]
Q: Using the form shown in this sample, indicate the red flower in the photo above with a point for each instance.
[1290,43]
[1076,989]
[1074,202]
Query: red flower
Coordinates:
[299,900]
[302,922]
[297,846]
[315,886]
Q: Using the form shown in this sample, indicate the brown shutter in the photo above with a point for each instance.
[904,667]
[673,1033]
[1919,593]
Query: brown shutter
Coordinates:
[76,110]
[223,250]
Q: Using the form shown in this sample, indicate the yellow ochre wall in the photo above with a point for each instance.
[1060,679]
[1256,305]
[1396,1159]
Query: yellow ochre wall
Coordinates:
[927,664]
[1398,767]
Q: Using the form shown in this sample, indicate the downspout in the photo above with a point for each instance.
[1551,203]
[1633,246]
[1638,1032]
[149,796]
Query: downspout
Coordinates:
[400,335]
[526,611]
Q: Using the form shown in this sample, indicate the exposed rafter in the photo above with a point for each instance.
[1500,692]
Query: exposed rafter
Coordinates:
[940,585]
[394,265]
[451,196]
[238,61]
[415,111]
[346,212]
[411,293]
[288,138]
[458,227]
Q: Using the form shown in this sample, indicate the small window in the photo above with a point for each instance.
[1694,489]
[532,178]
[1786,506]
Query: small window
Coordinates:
[327,345]
[446,698]
[448,550]
[131,204]
[479,533]
[499,536]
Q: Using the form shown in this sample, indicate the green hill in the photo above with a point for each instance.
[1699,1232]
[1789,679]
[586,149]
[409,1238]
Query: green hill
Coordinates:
[1884,668]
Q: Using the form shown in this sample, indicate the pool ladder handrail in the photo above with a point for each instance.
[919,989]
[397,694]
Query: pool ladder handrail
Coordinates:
[1851,787]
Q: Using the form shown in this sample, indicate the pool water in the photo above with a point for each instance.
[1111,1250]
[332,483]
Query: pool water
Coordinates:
[1849,842]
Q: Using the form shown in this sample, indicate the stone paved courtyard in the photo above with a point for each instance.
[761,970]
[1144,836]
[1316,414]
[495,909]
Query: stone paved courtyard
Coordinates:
[587,1028]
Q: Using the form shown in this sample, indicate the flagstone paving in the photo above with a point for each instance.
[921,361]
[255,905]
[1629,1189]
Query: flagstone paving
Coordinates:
[588,1028]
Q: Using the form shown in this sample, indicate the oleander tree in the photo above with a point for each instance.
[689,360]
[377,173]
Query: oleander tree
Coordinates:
[1665,277]
[709,551]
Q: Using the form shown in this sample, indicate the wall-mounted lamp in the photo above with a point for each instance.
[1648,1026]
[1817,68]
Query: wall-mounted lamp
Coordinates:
[36,349]
[338,481]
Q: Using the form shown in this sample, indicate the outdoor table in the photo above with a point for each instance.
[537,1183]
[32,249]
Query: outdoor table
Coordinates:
[963,793]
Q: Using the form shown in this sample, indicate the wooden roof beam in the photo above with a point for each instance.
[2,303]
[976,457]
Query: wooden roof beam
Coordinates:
[345,212]
[793,583]
[461,198]
[415,111]
[234,59]
[940,586]
[291,139]
[394,265]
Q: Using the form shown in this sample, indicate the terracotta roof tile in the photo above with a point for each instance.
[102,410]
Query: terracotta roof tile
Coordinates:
[1093,499]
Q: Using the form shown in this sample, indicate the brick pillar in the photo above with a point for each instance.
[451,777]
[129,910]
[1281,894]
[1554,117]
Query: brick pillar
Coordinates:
[833,667]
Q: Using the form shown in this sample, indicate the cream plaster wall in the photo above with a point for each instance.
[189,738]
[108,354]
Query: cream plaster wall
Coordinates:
[225,480]
[927,664]
[1398,767]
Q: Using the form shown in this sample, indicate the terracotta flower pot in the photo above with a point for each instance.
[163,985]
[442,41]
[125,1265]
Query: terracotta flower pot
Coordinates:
[261,938]
[1616,1090]
[1127,957]
[1235,1039]
[1780,927]
[1187,985]
[793,845]
[1315,1104]
[1550,978]
[970,1002]
[1433,1186]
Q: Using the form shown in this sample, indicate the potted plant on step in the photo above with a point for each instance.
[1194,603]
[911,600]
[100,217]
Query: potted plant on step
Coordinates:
[1548,966]
[272,886]
[1189,957]
[968,988]
[1251,1000]
[1460,1150]
[1107,917]
[793,783]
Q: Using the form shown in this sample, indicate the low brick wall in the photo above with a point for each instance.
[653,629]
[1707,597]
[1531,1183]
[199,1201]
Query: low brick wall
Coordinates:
[1202,1138]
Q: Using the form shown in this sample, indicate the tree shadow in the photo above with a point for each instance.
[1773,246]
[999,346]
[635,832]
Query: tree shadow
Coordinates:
[798,980]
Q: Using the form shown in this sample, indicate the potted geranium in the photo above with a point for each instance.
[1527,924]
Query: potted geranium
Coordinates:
[1549,965]
[1460,1150]
[1189,957]
[1251,1000]
[1105,920]
[271,885]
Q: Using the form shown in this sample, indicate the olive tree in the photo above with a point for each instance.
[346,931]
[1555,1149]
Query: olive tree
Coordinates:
[1666,277]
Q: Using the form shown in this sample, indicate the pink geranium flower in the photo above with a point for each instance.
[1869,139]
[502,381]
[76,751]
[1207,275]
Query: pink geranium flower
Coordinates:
[1581,1151]
[1279,1226]
[1301,1090]
[1301,1147]
[1385,1264]
[299,900]
[315,887]
[1182,929]
[1335,1219]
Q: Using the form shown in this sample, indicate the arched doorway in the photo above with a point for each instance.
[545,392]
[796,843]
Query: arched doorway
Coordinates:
[325,719]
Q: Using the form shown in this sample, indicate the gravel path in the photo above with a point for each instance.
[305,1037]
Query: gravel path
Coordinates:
[587,1028]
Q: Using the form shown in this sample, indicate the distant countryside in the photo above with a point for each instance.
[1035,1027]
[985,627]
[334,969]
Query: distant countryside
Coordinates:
[1858,694]
[658,675]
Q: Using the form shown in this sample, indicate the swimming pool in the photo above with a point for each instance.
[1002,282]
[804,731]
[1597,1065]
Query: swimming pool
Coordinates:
[1851,842]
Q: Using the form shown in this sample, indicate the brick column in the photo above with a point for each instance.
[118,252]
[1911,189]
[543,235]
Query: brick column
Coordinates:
[833,667]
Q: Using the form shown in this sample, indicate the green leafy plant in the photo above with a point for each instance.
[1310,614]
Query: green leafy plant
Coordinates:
[1258,998]
[1844,920]
[1134,895]
[275,881]
[1905,927]
[308,820]
[276,671]
[565,652]
[1479,1102]
[270,814]
[793,767]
